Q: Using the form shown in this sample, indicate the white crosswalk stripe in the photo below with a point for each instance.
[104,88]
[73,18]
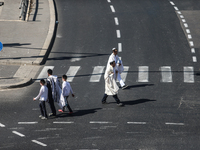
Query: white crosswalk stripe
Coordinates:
[124,73]
[143,74]
[72,72]
[43,73]
[166,74]
[96,74]
[189,74]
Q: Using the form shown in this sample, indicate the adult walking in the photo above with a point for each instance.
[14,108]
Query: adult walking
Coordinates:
[119,66]
[111,87]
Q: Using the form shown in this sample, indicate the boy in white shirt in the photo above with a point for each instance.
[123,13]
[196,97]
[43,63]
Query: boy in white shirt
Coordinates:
[42,96]
[66,90]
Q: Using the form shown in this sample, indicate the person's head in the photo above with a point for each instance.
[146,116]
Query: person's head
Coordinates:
[112,63]
[42,82]
[50,72]
[115,51]
[64,77]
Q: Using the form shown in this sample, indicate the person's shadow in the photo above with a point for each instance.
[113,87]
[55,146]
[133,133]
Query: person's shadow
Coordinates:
[137,86]
[135,102]
[78,113]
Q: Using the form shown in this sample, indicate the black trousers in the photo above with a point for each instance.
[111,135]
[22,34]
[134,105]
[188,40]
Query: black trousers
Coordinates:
[51,104]
[67,104]
[43,108]
[114,96]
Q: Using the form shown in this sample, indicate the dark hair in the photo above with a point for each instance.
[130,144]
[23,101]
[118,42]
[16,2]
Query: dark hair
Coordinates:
[112,62]
[49,71]
[64,77]
[42,81]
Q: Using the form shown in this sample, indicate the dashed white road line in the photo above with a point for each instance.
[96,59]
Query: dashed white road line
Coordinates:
[27,122]
[118,33]
[183,20]
[179,12]
[112,8]
[181,16]
[39,143]
[169,123]
[189,36]
[192,50]
[17,133]
[194,58]
[109,1]
[191,43]
[116,21]
[99,122]
[188,30]
[172,3]
[2,125]
[119,47]
[63,122]
[186,25]
[175,8]
[136,123]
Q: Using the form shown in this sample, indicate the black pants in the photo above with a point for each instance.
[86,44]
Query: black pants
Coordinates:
[67,104]
[114,96]
[51,104]
[43,109]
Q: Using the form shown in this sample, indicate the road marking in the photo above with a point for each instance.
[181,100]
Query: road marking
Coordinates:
[124,73]
[166,74]
[17,133]
[27,122]
[186,25]
[169,123]
[188,74]
[136,123]
[172,3]
[109,1]
[112,8]
[191,43]
[188,30]
[119,47]
[43,73]
[72,72]
[62,122]
[143,75]
[1,125]
[96,74]
[181,16]
[118,33]
[116,21]
[189,36]
[194,58]
[39,143]
[100,122]
[192,50]
[175,8]
[179,12]
[183,20]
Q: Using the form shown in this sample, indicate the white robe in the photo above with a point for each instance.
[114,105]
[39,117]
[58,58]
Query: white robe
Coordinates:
[111,87]
[56,91]
[112,58]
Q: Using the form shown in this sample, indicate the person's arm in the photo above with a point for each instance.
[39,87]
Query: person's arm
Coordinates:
[40,93]
[71,90]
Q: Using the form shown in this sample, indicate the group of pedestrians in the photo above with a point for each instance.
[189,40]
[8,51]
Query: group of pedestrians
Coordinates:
[52,91]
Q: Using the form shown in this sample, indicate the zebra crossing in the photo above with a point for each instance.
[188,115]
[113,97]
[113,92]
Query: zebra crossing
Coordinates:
[143,73]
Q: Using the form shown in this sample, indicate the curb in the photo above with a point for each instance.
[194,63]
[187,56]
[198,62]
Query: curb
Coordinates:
[25,82]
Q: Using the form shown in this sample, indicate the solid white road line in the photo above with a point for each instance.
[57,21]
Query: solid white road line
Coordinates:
[124,73]
[72,72]
[189,74]
[27,122]
[116,21]
[96,74]
[63,122]
[99,122]
[118,33]
[143,75]
[112,8]
[188,30]
[166,74]
[39,143]
[119,47]
[176,8]
[194,58]
[192,50]
[191,43]
[169,123]
[2,125]
[43,73]
[136,123]
[186,25]
[17,133]
[189,36]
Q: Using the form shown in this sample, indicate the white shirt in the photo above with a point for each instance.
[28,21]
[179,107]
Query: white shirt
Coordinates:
[112,58]
[66,88]
[43,94]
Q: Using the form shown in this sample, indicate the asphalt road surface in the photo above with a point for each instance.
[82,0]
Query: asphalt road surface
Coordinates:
[162,107]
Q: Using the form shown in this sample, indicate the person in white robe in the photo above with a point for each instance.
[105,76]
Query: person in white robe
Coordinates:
[111,87]
[119,66]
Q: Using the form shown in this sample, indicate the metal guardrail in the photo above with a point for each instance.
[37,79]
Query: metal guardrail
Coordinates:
[23,6]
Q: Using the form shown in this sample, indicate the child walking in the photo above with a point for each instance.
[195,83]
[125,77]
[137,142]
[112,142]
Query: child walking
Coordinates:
[42,96]
[66,90]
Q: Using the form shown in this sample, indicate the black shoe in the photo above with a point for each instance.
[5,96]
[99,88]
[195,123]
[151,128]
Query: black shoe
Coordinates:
[104,102]
[51,114]
[124,87]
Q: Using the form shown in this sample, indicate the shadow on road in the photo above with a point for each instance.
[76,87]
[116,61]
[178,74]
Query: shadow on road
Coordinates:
[139,101]
[139,85]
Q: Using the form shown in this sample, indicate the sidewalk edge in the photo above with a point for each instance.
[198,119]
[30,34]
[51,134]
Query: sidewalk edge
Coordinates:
[25,82]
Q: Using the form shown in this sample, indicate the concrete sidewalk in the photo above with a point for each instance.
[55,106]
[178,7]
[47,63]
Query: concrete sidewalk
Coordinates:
[25,43]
